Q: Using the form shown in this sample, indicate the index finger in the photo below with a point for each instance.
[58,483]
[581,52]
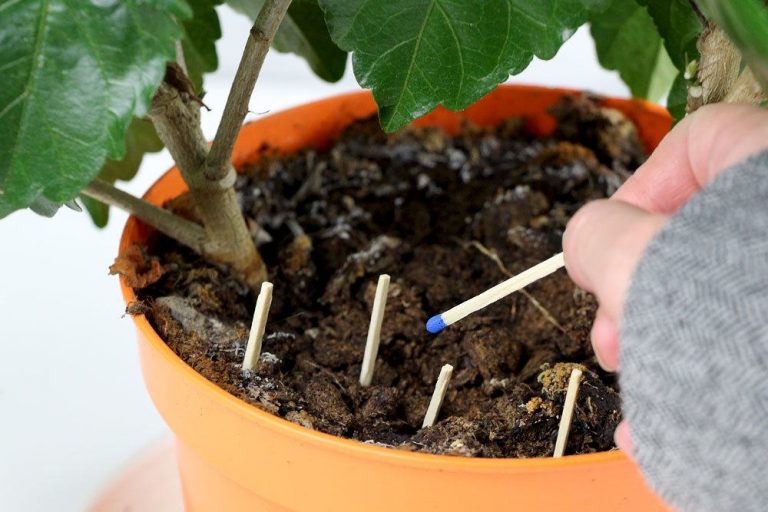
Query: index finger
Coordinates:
[694,153]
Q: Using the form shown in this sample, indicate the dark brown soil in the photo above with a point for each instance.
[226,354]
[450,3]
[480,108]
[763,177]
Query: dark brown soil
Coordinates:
[446,217]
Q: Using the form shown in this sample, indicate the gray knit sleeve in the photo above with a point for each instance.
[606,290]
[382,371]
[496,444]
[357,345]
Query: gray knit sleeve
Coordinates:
[694,349]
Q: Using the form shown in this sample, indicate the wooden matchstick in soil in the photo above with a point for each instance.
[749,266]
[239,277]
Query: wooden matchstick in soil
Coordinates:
[567,416]
[439,322]
[374,331]
[253,349]
[437,396]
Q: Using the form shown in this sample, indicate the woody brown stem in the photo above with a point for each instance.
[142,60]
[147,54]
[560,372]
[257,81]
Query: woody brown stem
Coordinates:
[175,113]
[721,76]
[176,117]
[186,232]
[256,48]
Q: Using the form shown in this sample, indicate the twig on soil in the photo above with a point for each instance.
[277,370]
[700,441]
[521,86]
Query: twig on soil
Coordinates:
[437,396]
[253,349]
[544,312]
[567,416]
[330,375]
[374,331]
[549,317]
[439,322]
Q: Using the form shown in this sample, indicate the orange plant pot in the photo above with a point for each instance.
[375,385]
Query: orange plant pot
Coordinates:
[234,457]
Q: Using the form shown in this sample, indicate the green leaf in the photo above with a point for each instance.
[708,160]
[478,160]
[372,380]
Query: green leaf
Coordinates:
[596,6]
[74,75]
[303,32]
[746,24]
[678,97]
[46,208]
[627,41]
[201,32]
[679,27]
[140,138]
[416,54]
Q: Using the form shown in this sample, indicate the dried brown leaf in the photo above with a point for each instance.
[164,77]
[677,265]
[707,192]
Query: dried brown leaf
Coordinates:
[137,267]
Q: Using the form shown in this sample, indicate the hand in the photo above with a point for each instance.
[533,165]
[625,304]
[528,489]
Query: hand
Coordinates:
[604,241]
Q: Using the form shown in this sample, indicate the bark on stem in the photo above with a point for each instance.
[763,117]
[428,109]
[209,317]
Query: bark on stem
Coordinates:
[256,48]
[720,76]
[176,117]
[187,232]
[175,113]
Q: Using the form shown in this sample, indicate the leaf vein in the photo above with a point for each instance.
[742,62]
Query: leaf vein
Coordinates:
[8,65]
[354,18]
[408,73]
[458,48]
[378,59]
[40,36]
[15,101]
[8,5]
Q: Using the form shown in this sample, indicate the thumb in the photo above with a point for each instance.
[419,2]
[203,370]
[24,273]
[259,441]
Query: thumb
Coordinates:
[603,243]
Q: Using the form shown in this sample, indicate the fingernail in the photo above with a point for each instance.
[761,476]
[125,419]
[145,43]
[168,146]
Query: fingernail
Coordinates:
[598,336]
[599,359]
[622,437]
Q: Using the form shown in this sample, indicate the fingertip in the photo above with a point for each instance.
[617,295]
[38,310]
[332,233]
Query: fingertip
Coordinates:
[602,245]
[605,341]
[623,438]
[573,242]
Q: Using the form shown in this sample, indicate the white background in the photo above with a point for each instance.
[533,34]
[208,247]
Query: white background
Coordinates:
[73,409]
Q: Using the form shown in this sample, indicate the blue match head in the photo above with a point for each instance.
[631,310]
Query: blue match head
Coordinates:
[436,324]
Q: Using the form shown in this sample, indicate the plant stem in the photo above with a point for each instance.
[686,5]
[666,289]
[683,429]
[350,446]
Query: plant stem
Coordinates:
[187,232]
[256,48]
[175,113]
[228,241]
[720,77]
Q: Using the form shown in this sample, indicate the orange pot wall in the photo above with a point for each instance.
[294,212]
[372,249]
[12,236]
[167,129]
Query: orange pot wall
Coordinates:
[234,457]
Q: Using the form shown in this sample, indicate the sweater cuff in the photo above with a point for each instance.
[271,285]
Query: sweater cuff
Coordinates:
[694,348]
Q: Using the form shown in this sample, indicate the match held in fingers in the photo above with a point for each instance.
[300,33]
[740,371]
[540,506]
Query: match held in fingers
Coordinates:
[374,331]
[567,416]
[253,349]
[439,322]
[437,396]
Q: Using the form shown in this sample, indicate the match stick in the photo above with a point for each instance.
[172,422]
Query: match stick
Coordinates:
[439,322]
[253,349]
[374,331]
[437,396]
[567,416]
